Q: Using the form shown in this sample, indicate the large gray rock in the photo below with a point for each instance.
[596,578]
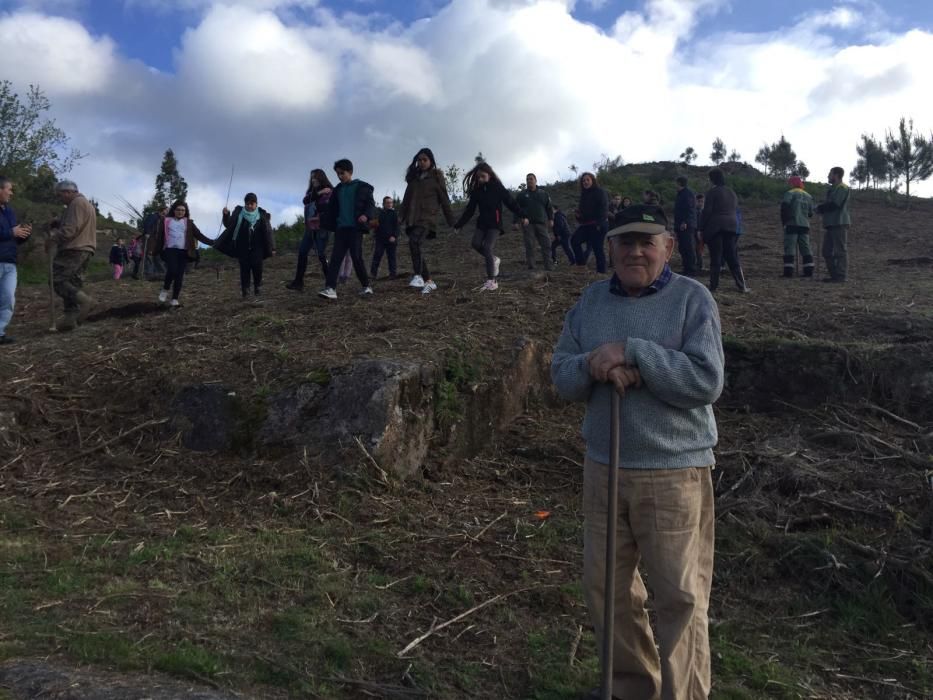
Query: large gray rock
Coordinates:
[206,415]
[388,405]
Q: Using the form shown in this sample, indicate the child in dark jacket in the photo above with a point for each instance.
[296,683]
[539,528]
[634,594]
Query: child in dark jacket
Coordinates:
[561,236]
[386,239]
[488,194]
[118,258]
[348,213]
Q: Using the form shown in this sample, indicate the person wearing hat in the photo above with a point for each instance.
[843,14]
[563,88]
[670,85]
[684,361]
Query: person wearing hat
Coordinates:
[796,210]
[654,336]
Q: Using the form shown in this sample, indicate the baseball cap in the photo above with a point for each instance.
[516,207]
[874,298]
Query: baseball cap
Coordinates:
[639,218]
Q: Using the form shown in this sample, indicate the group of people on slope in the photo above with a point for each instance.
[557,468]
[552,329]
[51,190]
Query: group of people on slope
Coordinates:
[348,210]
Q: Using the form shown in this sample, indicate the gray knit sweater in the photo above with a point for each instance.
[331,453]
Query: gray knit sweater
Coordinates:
[674,339]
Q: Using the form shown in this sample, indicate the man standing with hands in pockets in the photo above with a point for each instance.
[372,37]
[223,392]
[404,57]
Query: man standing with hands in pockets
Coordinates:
[655,337]
[11,236]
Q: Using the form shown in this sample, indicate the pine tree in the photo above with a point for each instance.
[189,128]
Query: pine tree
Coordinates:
[911,156]
[873,163]
[170,186]
[735,156]
[719,151]
[689,155]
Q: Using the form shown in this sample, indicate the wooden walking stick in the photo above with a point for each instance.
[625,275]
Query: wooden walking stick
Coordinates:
[612,517]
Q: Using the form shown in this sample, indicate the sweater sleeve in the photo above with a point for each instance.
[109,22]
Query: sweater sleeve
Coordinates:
[510,202]
[70,225]
[444,200]
[691,376]
[467,213]
[196,232]
[569,369]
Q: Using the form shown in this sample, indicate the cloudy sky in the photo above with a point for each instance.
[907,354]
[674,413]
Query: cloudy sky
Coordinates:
[277,87]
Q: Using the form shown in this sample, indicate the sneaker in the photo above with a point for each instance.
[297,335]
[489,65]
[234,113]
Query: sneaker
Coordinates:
[428,288]
[495,266]
[296,286]
[7,339]
[417,282]
[328,293]
[367,292]
[163,296]
[745,290]
[174,303]
[490,286]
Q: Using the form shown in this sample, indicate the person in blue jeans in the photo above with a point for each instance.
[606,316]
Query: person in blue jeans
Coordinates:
[315,238]
[593,215]
[11,236]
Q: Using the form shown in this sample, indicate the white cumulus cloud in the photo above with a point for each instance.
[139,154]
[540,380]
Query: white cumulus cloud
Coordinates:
[280,87]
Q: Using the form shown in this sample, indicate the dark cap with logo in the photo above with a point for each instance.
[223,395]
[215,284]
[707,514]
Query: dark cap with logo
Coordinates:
[639,218]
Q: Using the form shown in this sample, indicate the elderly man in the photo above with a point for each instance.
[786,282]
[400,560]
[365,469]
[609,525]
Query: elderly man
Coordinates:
[75,238]
[836,221]
[655,337]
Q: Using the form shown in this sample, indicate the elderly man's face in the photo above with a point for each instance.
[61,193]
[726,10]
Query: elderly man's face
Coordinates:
[66,195]
[639,258]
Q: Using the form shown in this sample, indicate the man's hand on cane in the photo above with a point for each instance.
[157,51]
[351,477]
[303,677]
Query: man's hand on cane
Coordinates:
[605,358]
[624,377]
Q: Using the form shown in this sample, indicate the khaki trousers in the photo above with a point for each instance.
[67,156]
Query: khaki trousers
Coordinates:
[666,522]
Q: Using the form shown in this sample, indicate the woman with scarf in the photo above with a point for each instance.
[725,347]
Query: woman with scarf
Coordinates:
[176,240]
[247,237]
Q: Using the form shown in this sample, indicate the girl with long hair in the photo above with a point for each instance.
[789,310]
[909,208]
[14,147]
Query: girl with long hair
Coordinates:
[487,193]
[176,241]
[425,197]
[315,238]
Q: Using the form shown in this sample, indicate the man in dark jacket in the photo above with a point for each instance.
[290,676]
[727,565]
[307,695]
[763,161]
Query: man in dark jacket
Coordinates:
[386,239]
[537,210]
[685,225]
[11,236]
[347,215]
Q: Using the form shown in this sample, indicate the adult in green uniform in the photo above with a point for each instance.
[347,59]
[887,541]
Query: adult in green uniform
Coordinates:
[796,210]
[836,221]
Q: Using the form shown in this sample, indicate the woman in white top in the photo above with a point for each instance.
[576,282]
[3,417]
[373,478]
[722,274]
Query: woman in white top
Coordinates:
[176,242]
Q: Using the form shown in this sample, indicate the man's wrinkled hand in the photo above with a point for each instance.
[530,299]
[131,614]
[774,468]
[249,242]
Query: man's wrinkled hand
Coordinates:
[623,378]
[605,358]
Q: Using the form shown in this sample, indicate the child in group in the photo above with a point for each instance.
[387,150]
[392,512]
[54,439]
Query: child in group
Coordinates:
[425,197]
[386,239]
[486,193]
[561,236]
[348,213]
[247,237]
[118,258]
[315,202]
[135,251]
[175,241]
